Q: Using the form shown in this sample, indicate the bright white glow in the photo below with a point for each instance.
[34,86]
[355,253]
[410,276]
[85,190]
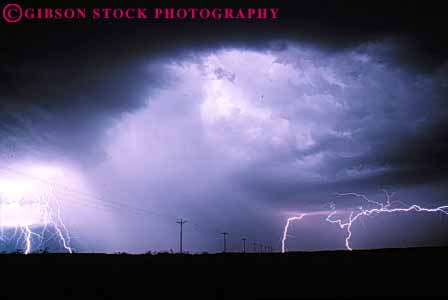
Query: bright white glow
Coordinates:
[225,97]
[28,201]
[20,215]
[22,194]
[223,100]
[14,190]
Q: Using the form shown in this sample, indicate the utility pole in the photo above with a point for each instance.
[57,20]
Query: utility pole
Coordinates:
[224,234]
[181,222]
[244,244]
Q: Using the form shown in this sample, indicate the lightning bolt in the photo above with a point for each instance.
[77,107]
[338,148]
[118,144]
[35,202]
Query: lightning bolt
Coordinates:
[33,236]
[28,234]
[26,216]
[285,229]
[355,215]
[59,225]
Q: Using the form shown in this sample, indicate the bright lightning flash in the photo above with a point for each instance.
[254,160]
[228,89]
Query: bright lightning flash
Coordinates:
[285,230]
[356,215]
[29,207]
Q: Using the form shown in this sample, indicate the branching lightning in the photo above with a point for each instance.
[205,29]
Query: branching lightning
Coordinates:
[355,215]
[30,211]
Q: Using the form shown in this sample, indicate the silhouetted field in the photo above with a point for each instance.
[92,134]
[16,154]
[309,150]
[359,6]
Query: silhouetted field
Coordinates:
[378,274]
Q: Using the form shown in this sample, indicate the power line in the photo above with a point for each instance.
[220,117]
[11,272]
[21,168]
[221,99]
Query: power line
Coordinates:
[99,202]
[118,205]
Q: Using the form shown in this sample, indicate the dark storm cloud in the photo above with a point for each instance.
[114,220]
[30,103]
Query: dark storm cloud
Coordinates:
[390,127]
[75,77]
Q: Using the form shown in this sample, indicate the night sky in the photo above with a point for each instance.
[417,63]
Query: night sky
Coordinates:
[233,125]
